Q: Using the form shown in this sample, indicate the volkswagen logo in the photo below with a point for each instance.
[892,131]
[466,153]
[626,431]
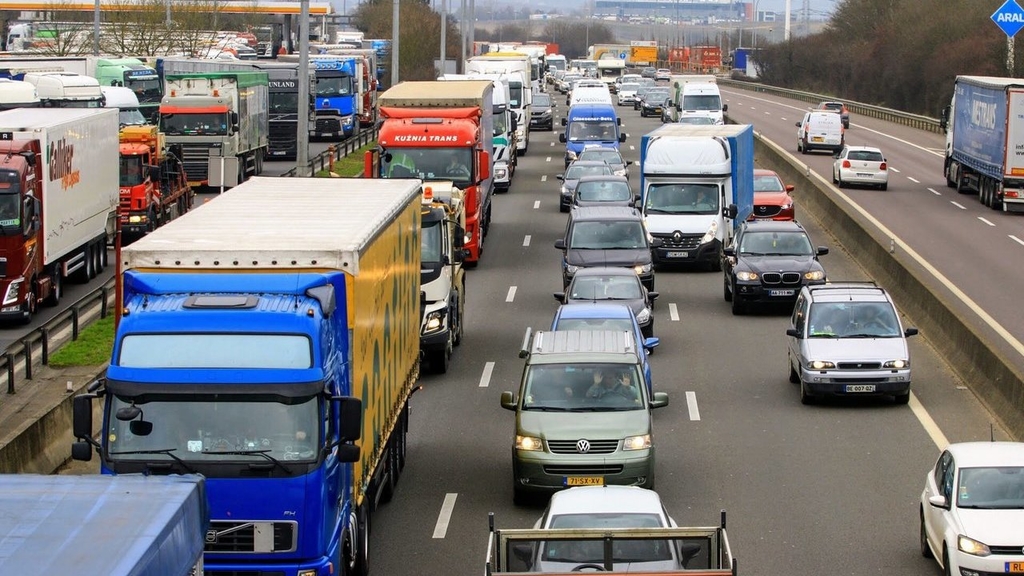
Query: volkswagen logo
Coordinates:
[583,446]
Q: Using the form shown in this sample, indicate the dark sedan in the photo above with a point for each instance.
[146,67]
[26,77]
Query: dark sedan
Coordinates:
[768,262]
[541,113]
[573,173]
[604,191]
[619,285]
[652,103]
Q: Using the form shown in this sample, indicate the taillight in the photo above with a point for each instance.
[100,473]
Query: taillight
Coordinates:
[881,166]
[846,163]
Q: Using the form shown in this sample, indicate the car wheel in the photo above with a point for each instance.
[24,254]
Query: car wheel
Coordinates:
[805,397]
[926,551]
[839,180]
[834,179]
[726,293]
[794,378]
[884,186]
[946,570]
[519,496]
[738,308]
[902,398]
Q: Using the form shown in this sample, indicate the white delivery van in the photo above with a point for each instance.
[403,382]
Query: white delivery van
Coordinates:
[701,99]
[820,131]
[590,95]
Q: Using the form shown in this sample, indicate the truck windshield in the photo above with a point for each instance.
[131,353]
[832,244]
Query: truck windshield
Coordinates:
[330,86]
[582,387]
[581,131]
[184,350]
[130,117]
[515,94]
[702,102]
[500,125]
[430,242]
[676,198]
[455,164]
[145,90]
[208,429]
[284,102]
[131,170]
[10,202]
[200,124]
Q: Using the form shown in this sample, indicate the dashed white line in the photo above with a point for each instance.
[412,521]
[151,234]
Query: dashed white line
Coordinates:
[631,147]
[536,204]
[985,221]
[691,406]
[934,191]
[958,205]
[673,312]
[445,517]
[548,159]
[526,241]
[929,425]
[914,180]
[1017,240]
[544,178]
[894,170]
[552,143]
[485,378]
[511,294]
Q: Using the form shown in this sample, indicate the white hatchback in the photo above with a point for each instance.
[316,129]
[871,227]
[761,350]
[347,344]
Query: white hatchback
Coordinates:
[861,165]
[627,92]
[972,509]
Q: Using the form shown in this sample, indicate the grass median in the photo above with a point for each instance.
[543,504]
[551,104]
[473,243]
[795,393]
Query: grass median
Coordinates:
[350,166]
[92,348]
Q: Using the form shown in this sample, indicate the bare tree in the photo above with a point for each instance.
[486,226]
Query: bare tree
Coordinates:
[419,35]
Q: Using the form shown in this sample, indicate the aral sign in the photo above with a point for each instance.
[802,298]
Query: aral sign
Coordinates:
[1009,17]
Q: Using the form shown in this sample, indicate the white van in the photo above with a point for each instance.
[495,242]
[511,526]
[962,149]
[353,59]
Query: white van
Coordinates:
[820,131]
[701,99]
[590,95]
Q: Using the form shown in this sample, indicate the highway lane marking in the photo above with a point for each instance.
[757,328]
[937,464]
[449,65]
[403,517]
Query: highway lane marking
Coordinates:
[536,204]
[1017,240]
[526,241]
[926,421]
[914,180]
[544,178]
[691,405]
[631,147]
[897,171]
[673,312]
[985,221]
[485,378]
[548,159]
[958,205]
[934,191]
[511,294]
[552,143]
[445,517]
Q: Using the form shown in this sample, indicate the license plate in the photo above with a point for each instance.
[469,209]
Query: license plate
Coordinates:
[1014,567]
[781,292]
[860,388]
[864,174]
[677,254]
[762,219]
[584,480]
[817,139]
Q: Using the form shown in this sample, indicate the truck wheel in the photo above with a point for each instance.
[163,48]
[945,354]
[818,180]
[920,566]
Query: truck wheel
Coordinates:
[457,319]
[97,254]
[56,288]
[362,564]
[387,488]
[29,309]
[90,262]
[259,162]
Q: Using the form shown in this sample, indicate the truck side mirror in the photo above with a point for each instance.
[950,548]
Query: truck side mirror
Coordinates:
[563,121]
[460,236]
[622,137]
[351,412]
[561,137]
[725,107]
[234,121]
[731,212]
[484,161]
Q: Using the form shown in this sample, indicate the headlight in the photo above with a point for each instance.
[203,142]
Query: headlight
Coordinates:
[620,172]
[820,365]
[528,443]
[570,155]
[971,546]
[814,275]
[12,291]
[563,189]
[501,173]
[786,206]
[643,316]
[637,442]
[711,233]
[897,364]
[434,321]
[571,269]
[306,573]
[138,219]
[643,268]
[347,121]
[746,276]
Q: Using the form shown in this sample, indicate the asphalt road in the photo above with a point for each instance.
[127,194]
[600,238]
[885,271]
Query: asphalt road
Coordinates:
[808,489]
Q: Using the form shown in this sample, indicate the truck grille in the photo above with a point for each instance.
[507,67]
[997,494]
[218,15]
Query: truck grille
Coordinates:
[761,211]
[596,446]
[781,278]
[328,124]
[680,241]
[859,365]
[195,159]
[243,537]
[584,470]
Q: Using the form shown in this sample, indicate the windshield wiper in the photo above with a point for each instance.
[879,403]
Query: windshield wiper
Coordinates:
[544,408]
[164,451]
[659,211]
[263,453]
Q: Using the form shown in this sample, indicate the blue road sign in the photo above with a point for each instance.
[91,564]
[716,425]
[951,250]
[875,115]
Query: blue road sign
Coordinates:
[1009,17]
[622,55]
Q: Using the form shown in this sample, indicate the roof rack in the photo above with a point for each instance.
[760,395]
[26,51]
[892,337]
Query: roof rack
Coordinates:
[845,284]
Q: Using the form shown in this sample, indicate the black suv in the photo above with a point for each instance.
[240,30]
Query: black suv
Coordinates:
[769,262]
[606,236]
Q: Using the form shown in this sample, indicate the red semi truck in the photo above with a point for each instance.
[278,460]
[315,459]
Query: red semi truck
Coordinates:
[58,201]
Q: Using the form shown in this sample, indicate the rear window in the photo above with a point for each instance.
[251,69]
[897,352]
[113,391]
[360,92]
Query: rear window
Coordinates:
[541,100]
[865,155]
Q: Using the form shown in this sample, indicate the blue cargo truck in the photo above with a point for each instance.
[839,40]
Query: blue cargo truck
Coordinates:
[588,124]
[335,96]
[131,525]
[984,126]
[277,361]
[696,188]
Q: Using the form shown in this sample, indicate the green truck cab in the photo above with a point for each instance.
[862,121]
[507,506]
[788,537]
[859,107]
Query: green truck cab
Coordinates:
[583,415]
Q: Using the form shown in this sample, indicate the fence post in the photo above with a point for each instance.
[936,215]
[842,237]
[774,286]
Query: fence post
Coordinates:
[28,358]
[44,341]
[103,302]
[10,373]
[74,323]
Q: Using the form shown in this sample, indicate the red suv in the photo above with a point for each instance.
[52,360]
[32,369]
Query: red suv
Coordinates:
[772,200]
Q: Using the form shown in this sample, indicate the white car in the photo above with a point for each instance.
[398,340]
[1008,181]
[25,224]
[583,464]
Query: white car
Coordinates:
[972,509]
[607,507]
[627,93]
[862,165]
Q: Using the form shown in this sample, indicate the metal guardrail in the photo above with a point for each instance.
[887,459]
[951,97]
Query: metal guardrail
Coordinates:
[64,327]
[334,152]
[887,114]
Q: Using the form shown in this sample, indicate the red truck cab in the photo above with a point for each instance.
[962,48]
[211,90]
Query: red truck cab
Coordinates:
[22,283]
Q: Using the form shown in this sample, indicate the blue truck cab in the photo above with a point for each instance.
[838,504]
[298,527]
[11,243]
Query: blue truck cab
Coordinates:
[336,96]
[590,124]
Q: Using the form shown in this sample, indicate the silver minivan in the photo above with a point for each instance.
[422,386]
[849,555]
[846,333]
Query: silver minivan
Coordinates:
[820,131]
[846,339]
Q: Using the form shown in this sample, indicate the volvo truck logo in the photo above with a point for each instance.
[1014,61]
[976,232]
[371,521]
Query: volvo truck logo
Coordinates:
[211,536]
[61,156]
[583,446]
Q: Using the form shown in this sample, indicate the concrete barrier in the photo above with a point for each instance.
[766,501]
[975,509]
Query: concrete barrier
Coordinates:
[975,348]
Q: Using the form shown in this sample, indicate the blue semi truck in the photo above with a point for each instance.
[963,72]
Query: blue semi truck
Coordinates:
[337,97]
[678,164]
[276,360]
